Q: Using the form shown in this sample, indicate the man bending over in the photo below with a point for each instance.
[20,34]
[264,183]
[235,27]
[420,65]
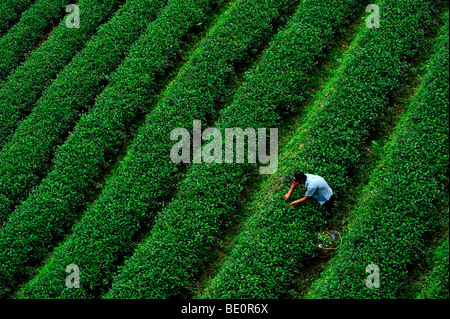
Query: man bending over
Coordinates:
[316,187]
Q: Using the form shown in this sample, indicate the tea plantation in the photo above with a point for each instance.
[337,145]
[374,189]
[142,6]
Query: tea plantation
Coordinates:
[93,205]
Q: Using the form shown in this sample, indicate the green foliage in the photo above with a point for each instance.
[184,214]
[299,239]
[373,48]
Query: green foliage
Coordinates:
[22,37]
[25,84]
[184,235]
[390,225]
[98,105]
[26,157]
[277,240]
[10,12]
[98,133]
[437,282]
[33,226]
[324,240]
[146,173]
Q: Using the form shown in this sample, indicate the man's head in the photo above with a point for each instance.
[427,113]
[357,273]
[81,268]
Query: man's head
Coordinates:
[299,177]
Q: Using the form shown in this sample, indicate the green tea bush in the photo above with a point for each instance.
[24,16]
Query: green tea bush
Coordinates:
[26,157]
[184,235]
[100,132]
[33,226]
[25,84]
[146,172]
[276,241]
[23,36]
[437,282]
[401,205]
[10,12]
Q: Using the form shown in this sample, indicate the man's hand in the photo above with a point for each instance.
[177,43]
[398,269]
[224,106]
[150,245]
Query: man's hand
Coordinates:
[286,197]
[298,201]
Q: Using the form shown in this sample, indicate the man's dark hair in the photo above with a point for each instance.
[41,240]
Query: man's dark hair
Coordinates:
[299,176]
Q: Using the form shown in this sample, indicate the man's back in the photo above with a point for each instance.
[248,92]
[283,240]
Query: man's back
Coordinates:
[318,188]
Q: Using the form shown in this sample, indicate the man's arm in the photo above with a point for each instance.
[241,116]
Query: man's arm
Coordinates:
[294,183]
[286,197]
[298,201]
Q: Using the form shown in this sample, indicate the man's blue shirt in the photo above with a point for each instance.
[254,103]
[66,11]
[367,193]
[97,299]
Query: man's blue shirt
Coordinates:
[318,188]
